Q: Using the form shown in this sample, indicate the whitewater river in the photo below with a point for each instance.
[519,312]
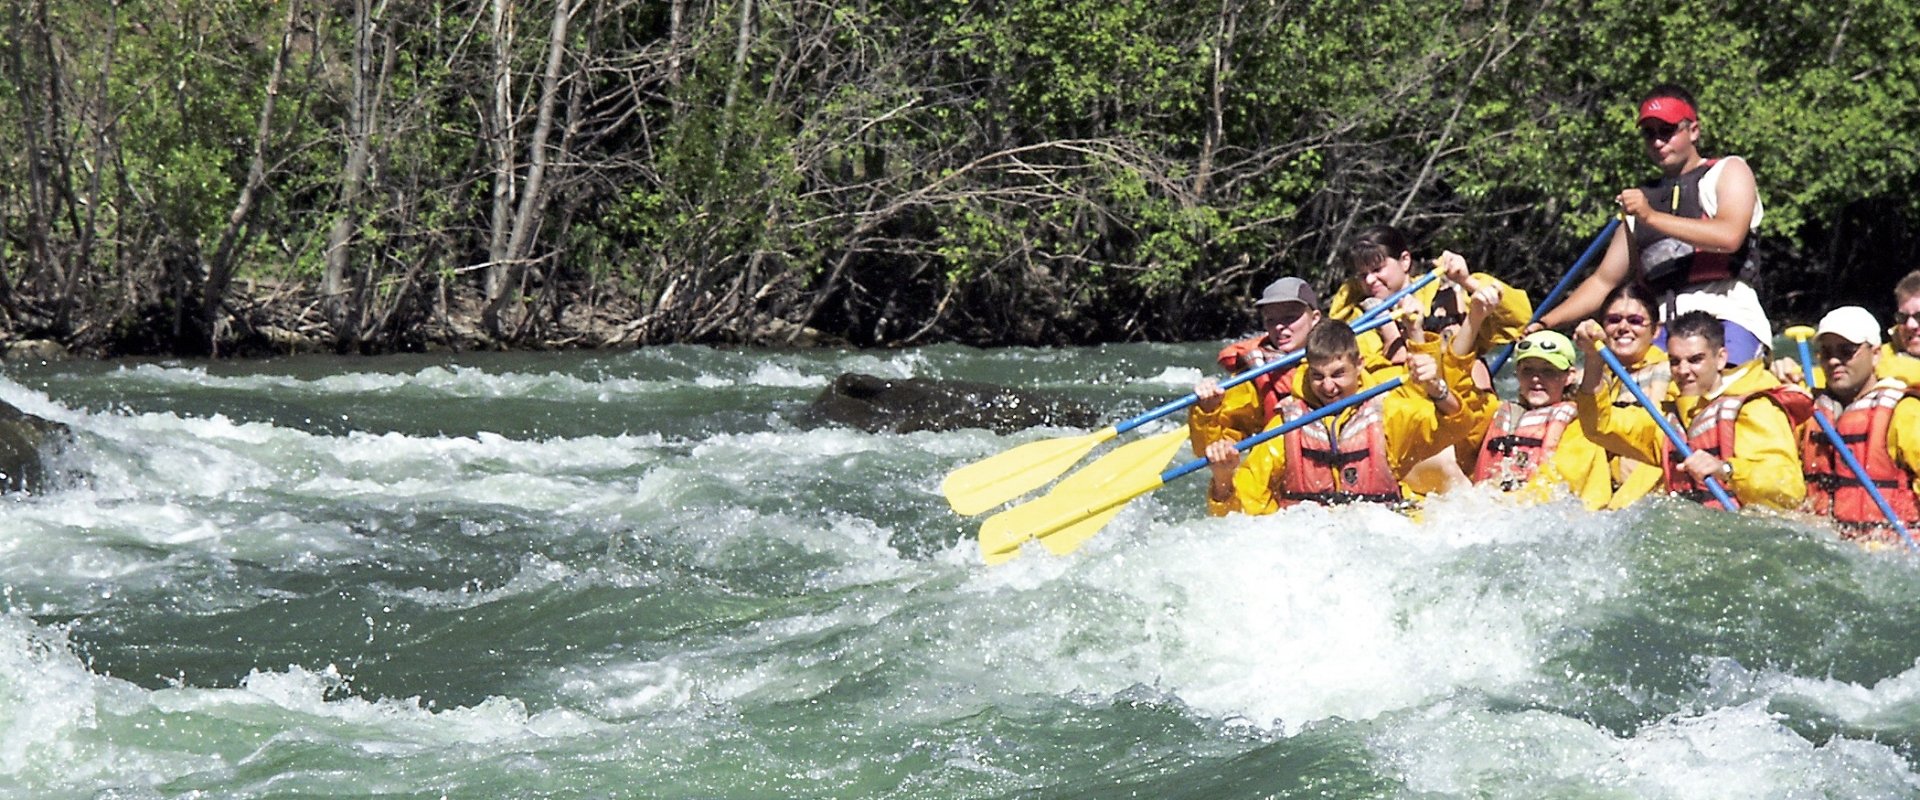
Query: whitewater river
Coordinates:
[636,575]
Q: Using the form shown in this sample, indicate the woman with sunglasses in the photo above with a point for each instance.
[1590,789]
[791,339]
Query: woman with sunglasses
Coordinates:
[1688,233]
[1627,319]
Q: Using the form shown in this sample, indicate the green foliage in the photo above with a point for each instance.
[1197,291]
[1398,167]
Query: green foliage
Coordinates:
[993,171]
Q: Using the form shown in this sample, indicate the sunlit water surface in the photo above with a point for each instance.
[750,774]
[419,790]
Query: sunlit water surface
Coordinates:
[637,575]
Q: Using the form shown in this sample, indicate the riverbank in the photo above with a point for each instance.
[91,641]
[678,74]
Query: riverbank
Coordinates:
[271,318]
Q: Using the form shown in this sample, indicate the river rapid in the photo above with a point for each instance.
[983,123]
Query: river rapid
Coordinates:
[634,574]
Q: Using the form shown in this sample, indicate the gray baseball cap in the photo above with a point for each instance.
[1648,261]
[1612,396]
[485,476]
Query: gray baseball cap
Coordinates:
[1288,290]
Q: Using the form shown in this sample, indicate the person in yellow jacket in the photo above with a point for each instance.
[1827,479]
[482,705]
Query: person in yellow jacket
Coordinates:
[1900,358]
[1288,308]
[1742,424]
[1357,455]
[1535,442]
[1630,319]
[1381,263]
[1877,418]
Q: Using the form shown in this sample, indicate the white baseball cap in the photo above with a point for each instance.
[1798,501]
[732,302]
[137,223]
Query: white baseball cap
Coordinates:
[1852,323]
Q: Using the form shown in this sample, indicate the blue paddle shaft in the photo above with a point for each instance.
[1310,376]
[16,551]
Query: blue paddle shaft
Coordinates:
[1316,415]
[1666,427]
[1386,306]
[1553,297]
[1846,454]
[1280,363]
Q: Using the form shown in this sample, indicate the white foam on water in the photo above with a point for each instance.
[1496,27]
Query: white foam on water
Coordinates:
[405,722]
[1736,751]
[1314,613]
[762,664]
[1175,378]
[64,729]
[1891,704]
[454,381]
[783,376]
[897,365]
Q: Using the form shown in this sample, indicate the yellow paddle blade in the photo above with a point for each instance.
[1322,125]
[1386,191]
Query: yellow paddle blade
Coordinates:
[999,478]
[1115,472]
[1084,503]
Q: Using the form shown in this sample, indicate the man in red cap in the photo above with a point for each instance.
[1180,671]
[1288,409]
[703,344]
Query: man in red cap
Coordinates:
[1687,232]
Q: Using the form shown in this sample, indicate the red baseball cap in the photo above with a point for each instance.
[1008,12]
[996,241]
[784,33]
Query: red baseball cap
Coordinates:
[1670,110]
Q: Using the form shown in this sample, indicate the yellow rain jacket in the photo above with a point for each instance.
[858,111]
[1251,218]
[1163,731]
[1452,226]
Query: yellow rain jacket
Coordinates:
[1766,457]
[1239,416]
[1412,426]
[1633,478]
[1898,366]
[1507,323]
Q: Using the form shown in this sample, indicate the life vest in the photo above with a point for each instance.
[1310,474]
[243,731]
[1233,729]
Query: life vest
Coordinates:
[1668,263]
[1519,440]
[1712,431]
[1832,489]
[1269,387]
[1344,467]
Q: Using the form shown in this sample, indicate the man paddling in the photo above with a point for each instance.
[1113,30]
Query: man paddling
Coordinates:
[1288,308]
[1741,424]
[1878,419]
[1358,455]
[1688,233]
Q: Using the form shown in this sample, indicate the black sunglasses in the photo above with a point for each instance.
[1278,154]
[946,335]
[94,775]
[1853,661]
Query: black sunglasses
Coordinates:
[1659,133]
[1545,345]
[1841,352]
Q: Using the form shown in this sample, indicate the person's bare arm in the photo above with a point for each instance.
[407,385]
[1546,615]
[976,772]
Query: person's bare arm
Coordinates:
[1724,232]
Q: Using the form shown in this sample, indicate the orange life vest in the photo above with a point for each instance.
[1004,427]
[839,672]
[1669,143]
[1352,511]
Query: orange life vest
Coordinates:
[1271,386]
[1519,440]
[1324,466]
[1712,431]
[1832,489]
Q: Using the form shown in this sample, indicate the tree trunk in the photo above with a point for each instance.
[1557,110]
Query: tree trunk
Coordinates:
[344,305]
[220,268]
[506,274]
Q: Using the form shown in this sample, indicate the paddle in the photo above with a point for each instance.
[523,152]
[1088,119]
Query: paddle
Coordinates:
[1073,513]
[999,478]
[1800,334]
[1666,426]
[1553,297]
[1139,457]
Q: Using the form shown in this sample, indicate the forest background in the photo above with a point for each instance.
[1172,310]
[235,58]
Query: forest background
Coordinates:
[234,177]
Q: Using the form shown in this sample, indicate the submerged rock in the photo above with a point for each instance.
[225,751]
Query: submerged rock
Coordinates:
[25,443]
[904,405]
[33,350]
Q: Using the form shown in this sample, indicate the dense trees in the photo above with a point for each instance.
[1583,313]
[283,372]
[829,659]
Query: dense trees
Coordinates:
[204,176]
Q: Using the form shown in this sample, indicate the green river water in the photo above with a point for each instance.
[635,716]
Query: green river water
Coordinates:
[635,575]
